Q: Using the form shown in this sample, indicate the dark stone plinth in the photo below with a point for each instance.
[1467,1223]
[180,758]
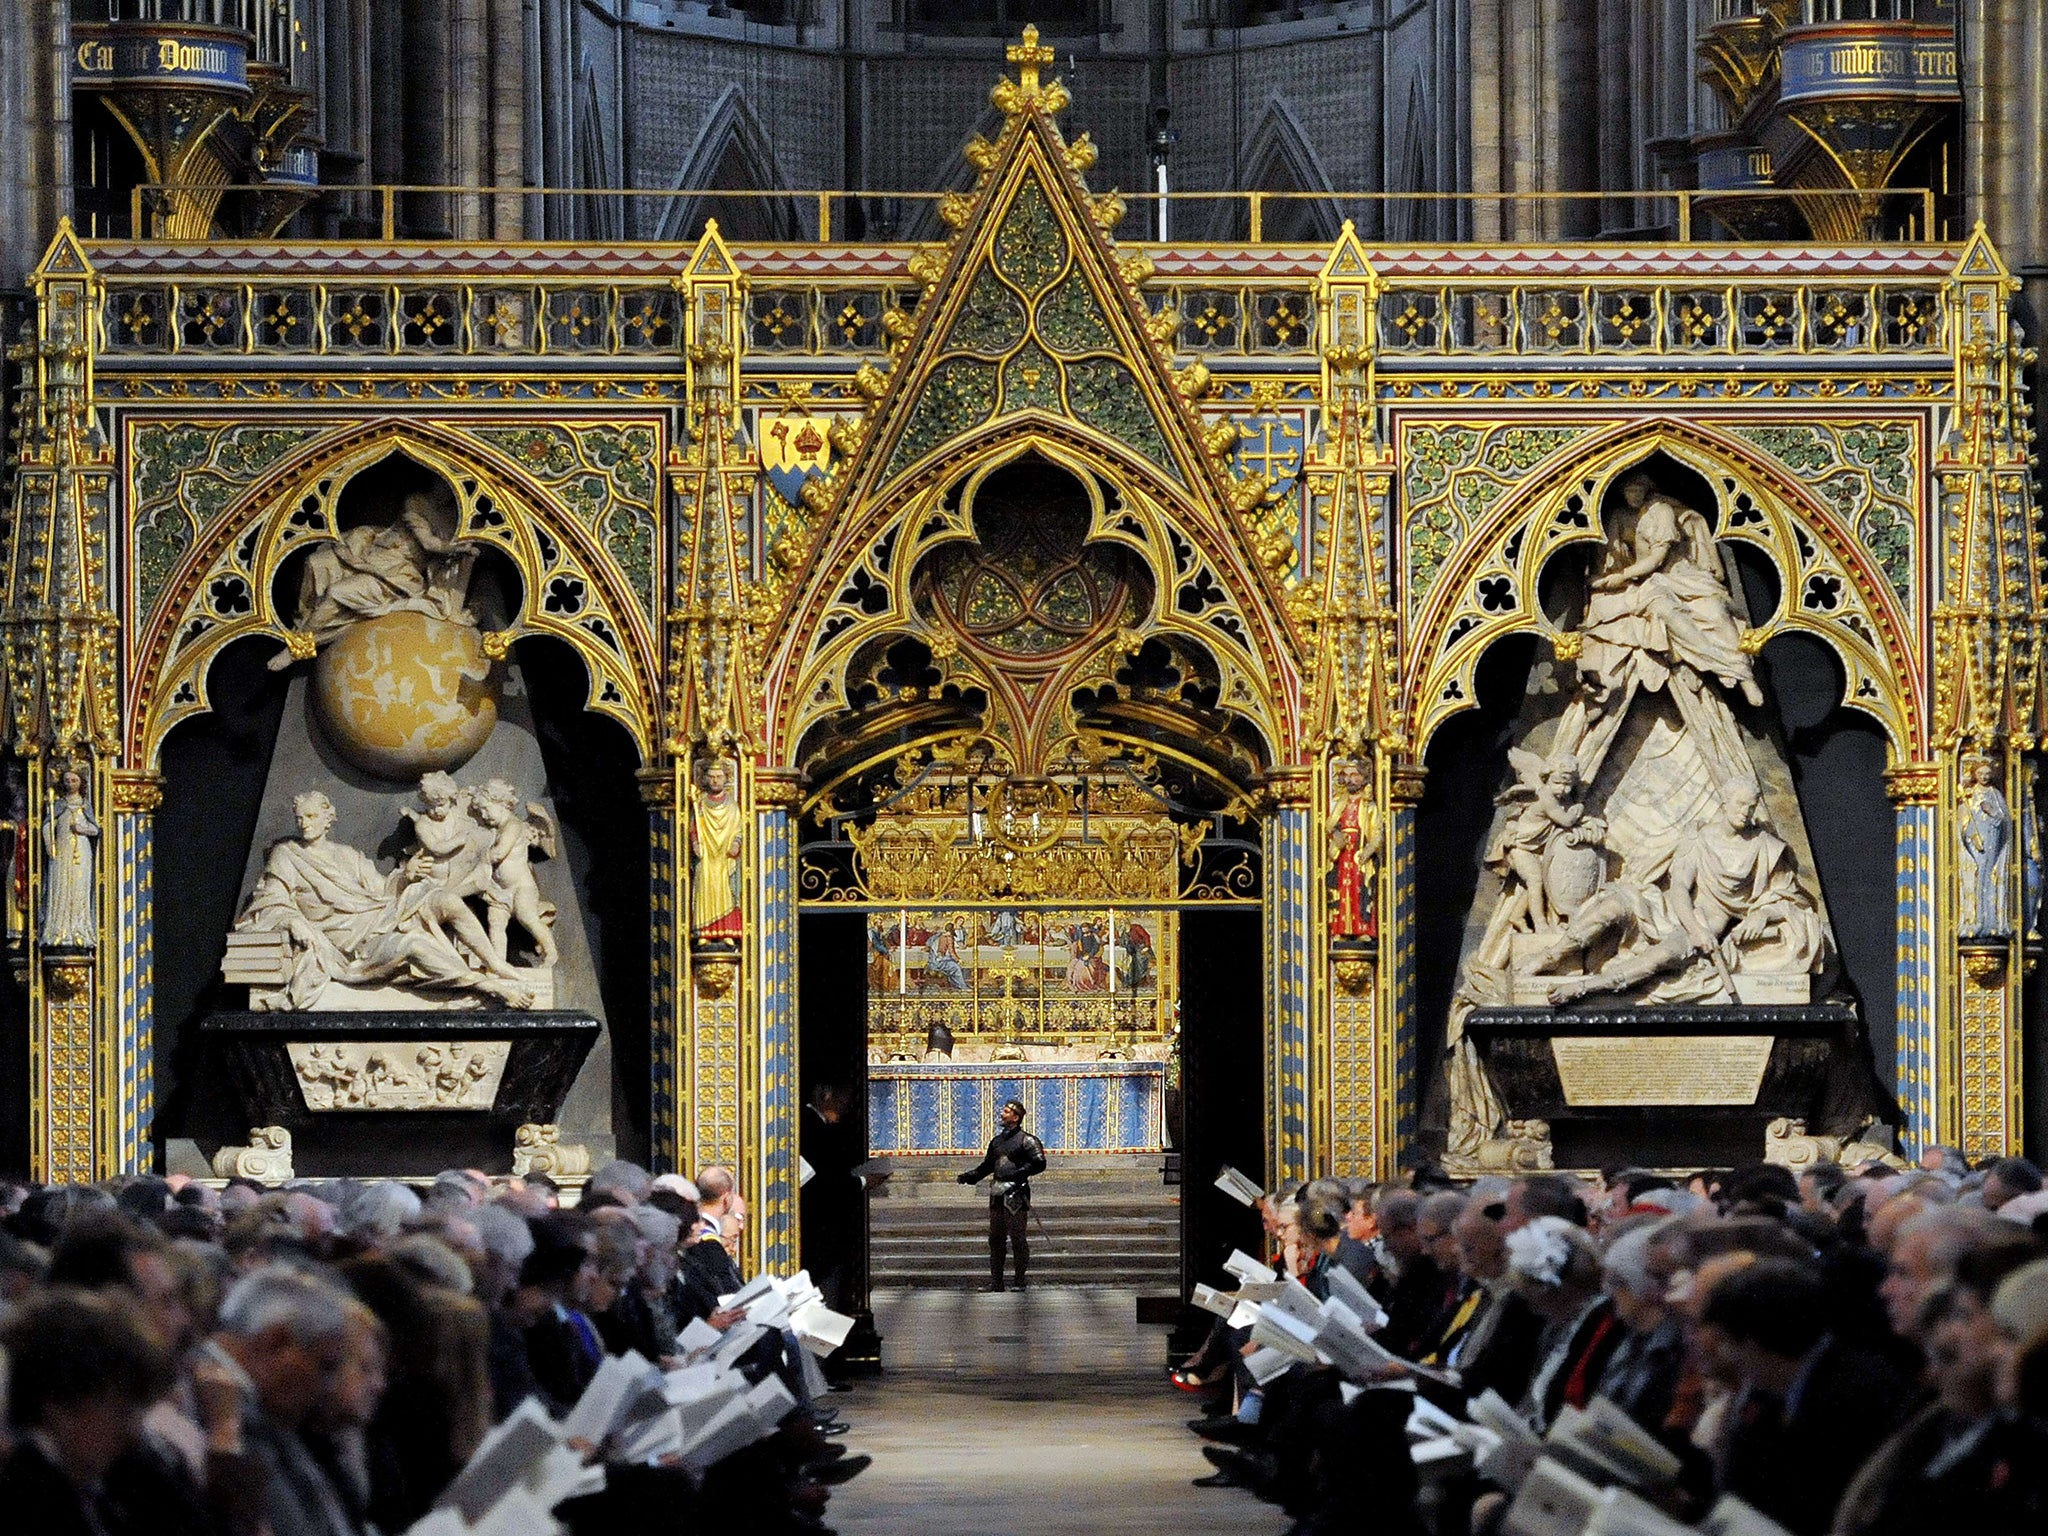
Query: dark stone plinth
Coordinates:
[547,1049]
[1515,1045]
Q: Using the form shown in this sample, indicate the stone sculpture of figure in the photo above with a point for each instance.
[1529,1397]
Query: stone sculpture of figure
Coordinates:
[452,830]
[1660,618]
[1664,595]
[349,922]
[512,893]
[15,825]
[1985,836]
[717,843]
[70,835]
[1548,796]
[369,571]
[1730,898]
[1354,855]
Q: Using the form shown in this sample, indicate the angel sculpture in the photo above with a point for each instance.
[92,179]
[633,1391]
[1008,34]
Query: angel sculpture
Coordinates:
[512,892]
[1548,795]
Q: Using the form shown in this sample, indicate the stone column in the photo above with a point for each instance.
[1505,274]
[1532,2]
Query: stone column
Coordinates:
[1289,957]
[1397,951]
[2003,63]
[668,955]
[771,1143]
[35,132]
[1914,789]
[132,990]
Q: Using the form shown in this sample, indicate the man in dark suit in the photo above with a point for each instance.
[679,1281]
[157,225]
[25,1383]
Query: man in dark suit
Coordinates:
[83,1375]
[562,1344]
[1810,1410]
[834,1197]
[1014,1158]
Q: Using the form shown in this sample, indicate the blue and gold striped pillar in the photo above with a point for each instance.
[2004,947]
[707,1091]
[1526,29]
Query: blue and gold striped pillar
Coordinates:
[1403,1069]
[1289,958]
[1915,792]
[771,1146]
[131,990]
[667,942]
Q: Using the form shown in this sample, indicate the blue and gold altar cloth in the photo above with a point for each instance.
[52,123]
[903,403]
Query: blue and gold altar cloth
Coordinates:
[949,1108]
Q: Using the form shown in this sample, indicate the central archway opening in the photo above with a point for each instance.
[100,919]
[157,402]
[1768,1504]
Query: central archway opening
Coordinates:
[1029,871]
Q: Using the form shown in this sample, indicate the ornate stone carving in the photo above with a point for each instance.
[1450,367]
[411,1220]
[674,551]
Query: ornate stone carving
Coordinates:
[267,1157]
[717,844]
[540,1149]
[1787,1143]
[1984,837]
[325,928]
[1673,886]
[138,793]
[1353,974]
[393,1075]
[70,839]
[1354,854]
[1522,1147]
[714,974]
[404,566]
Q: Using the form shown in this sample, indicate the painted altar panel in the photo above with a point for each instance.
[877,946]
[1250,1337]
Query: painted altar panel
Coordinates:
[1055,984]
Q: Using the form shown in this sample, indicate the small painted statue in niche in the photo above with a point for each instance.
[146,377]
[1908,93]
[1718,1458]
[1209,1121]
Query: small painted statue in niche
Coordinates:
[717,844]
[15,829]
[1985,838]
[1354,855]
[70,835]
[2030,855]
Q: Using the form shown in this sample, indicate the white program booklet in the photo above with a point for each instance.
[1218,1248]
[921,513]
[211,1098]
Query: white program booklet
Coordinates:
[1242,1266]
[1238,1187]
[1552,1501]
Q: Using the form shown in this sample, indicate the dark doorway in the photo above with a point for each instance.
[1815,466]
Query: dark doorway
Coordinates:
[1222,1083]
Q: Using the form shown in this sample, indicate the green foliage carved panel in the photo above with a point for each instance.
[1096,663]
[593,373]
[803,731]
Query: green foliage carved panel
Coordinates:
[186,477]
[1030,249]
[1453,475]
[1106,396]
[1070,320]
[958,396]
[993,320]
[1863,473]
[607,478]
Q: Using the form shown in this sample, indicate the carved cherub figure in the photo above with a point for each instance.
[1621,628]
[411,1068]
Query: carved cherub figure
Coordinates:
[512,891]
[1547,792]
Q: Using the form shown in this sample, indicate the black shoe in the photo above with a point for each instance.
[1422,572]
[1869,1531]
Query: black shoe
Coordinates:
[1231,1432]
[825,1454]
[836,1427]
[994,1287]
[1218,1480]
[845,1470]
[1202,1426]
[1022,1284]
[1252,1469]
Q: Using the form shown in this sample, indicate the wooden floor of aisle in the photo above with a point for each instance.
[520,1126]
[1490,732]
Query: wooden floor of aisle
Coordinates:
[1035,1413]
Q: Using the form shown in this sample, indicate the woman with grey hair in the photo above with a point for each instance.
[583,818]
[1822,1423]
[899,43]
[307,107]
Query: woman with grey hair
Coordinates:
[1642,1376]
[382,1209]
[1555,1267]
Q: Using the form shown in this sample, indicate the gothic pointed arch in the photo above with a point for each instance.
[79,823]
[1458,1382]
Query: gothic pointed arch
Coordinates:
[1407,218]
[1830,585]
[732,153]
[1032,338]
[1278,157]
[224,587]
[602,216]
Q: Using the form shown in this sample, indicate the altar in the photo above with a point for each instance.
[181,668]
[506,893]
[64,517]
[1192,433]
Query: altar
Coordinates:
[943,1108]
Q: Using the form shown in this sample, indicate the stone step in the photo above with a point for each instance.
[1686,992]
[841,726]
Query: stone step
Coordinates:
[941,1217]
